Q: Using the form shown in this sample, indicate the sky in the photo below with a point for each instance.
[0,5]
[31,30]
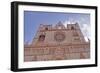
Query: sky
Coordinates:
[32,20]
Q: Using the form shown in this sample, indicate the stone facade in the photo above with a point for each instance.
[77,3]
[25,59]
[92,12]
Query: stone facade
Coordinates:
[57,43]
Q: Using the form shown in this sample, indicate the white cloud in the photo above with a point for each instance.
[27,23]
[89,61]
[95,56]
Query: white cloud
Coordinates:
[85,28]
[86,39]
[65,23]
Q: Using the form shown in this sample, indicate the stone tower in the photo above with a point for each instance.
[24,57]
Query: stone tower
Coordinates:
[57,43]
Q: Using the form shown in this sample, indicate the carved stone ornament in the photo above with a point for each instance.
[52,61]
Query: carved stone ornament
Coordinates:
[59,36]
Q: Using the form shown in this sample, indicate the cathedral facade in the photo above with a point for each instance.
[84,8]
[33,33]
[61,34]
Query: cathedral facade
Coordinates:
[57,43]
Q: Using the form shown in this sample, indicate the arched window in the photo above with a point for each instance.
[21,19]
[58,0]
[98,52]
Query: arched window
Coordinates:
[41,37]
[46,28]
[72,28]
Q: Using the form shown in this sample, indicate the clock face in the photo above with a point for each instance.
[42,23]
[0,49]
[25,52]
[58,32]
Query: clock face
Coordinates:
[59,36]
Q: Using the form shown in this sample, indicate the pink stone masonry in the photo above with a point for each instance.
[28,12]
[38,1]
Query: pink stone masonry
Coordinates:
[57,43]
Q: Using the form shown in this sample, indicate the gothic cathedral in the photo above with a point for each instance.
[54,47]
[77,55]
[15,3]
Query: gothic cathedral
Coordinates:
[57,43]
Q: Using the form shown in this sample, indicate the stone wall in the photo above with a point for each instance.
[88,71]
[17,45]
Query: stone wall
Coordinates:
[44,53]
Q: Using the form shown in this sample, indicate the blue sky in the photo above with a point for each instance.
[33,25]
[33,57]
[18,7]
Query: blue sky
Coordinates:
[32,20]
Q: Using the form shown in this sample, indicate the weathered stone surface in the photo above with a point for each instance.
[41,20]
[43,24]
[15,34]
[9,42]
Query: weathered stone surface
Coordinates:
[57,43]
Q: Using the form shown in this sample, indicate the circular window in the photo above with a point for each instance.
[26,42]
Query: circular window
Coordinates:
[59,36]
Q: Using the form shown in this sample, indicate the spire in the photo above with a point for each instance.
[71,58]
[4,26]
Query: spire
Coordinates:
[60,23]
